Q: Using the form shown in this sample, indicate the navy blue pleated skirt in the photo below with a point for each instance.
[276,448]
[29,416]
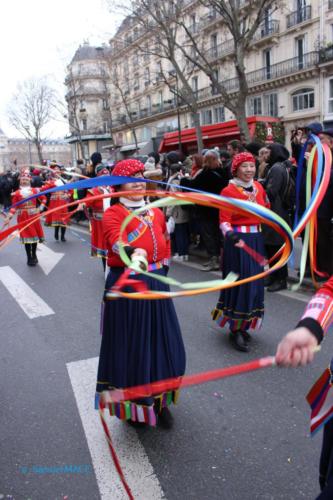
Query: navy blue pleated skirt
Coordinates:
[242,307]
[141,343]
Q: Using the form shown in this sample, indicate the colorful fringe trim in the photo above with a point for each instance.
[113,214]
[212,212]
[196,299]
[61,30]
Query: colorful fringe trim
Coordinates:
[98,252]
[35,239]
[320,399]
[221,319]
[128,410]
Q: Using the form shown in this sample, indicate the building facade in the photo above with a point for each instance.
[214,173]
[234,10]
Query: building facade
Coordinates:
[289,71]
[17,152]
[87,97]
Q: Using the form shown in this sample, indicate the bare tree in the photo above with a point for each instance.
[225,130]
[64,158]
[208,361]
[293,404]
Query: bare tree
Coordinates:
[185,46]
[241,20]
[158,21]
[31,109]
[73,99]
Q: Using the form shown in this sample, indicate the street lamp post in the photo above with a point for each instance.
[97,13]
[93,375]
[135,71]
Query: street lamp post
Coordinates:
[180,147]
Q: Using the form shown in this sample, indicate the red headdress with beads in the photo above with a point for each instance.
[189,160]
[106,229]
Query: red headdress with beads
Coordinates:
[128,168]
[239,159]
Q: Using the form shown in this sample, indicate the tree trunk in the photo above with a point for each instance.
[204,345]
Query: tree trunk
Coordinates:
[135,140]
[242,123]
[39,151]
[196,120]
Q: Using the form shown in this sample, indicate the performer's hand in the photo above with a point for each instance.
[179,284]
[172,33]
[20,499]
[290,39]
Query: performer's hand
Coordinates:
[297,348]
[81,206]
[140,251]
[232,237]
[140,255]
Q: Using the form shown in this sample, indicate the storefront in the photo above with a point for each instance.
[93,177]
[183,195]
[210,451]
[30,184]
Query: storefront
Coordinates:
[262,129]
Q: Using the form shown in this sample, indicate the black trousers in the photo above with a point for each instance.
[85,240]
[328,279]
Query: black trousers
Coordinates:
[280,274]
[326,463]
[325,247]
[210,234]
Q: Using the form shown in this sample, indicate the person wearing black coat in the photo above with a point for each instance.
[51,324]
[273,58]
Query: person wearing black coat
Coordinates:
[325,219]
[212,179]
[275,183]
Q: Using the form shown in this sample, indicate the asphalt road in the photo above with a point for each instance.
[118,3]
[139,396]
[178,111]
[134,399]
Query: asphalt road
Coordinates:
[245,437]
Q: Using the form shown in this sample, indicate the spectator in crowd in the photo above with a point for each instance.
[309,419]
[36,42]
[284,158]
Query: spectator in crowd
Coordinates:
[96,159]
[235,147]
[197,162]
[275,183]
[181,217]
[263,155]
[213,178]
[153,171]
[325,219]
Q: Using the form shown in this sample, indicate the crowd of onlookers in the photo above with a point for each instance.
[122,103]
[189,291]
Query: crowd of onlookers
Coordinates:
[210,171]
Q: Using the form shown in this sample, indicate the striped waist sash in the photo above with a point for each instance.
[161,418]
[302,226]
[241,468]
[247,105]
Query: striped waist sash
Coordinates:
[256,228]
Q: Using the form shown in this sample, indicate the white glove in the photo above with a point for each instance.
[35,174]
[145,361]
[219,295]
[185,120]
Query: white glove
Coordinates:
[170,225]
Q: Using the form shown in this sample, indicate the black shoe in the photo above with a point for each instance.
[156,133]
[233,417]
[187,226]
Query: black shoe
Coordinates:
[238,341]
[277,286]
[63,238]
[268,281]
[34,260]
[246,336]
[56,236]
[137,425]
[165,419]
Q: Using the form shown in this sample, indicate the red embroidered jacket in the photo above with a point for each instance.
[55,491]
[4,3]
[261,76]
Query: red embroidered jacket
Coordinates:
[318,315]
[148,232]
[230,217]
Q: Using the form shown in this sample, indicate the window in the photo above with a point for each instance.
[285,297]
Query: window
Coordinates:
[147,77]
[215,89]
[148,103]
[219,115]
[330,95]
[84,124]
[255,105]
[271,104]
[105,127]
[213,45]
[105,104]
[267,55]
[206,117]
[303,99]
[195,84]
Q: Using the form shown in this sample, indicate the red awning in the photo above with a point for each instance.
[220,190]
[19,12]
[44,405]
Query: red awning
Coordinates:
[218,131]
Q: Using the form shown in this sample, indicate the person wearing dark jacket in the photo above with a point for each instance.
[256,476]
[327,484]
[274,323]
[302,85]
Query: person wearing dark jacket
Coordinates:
[211,179]
[325,217]
[275,183]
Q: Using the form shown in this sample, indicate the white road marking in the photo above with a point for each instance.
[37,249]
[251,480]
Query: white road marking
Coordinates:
[47,258]
[138,470]
[295,295]
[27,299]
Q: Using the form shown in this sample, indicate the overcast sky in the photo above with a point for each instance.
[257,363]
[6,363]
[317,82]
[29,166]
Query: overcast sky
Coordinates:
[39,38]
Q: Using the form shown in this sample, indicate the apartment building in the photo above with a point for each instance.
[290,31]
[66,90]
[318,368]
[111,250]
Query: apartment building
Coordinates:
[289,72]
[87,97]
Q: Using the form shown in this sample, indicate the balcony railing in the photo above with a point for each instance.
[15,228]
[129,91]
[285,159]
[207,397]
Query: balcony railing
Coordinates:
[221,50]
[266,73]
[299,16]
[326,54]
[267,28]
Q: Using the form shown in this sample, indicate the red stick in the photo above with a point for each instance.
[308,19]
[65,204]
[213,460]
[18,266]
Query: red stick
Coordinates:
[146,390]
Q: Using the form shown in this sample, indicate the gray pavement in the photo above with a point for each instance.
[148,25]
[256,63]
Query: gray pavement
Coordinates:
[241,438]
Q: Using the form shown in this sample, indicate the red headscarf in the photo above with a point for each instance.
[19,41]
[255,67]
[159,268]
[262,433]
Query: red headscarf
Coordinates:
[239,159]
[128,168]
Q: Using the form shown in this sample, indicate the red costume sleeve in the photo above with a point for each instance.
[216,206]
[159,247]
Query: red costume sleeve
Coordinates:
[318,315]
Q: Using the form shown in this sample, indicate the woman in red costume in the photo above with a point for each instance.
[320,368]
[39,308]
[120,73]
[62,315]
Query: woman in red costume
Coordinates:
[141,339]
[96,212]
[242,307]
[33,234]
[59,218]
